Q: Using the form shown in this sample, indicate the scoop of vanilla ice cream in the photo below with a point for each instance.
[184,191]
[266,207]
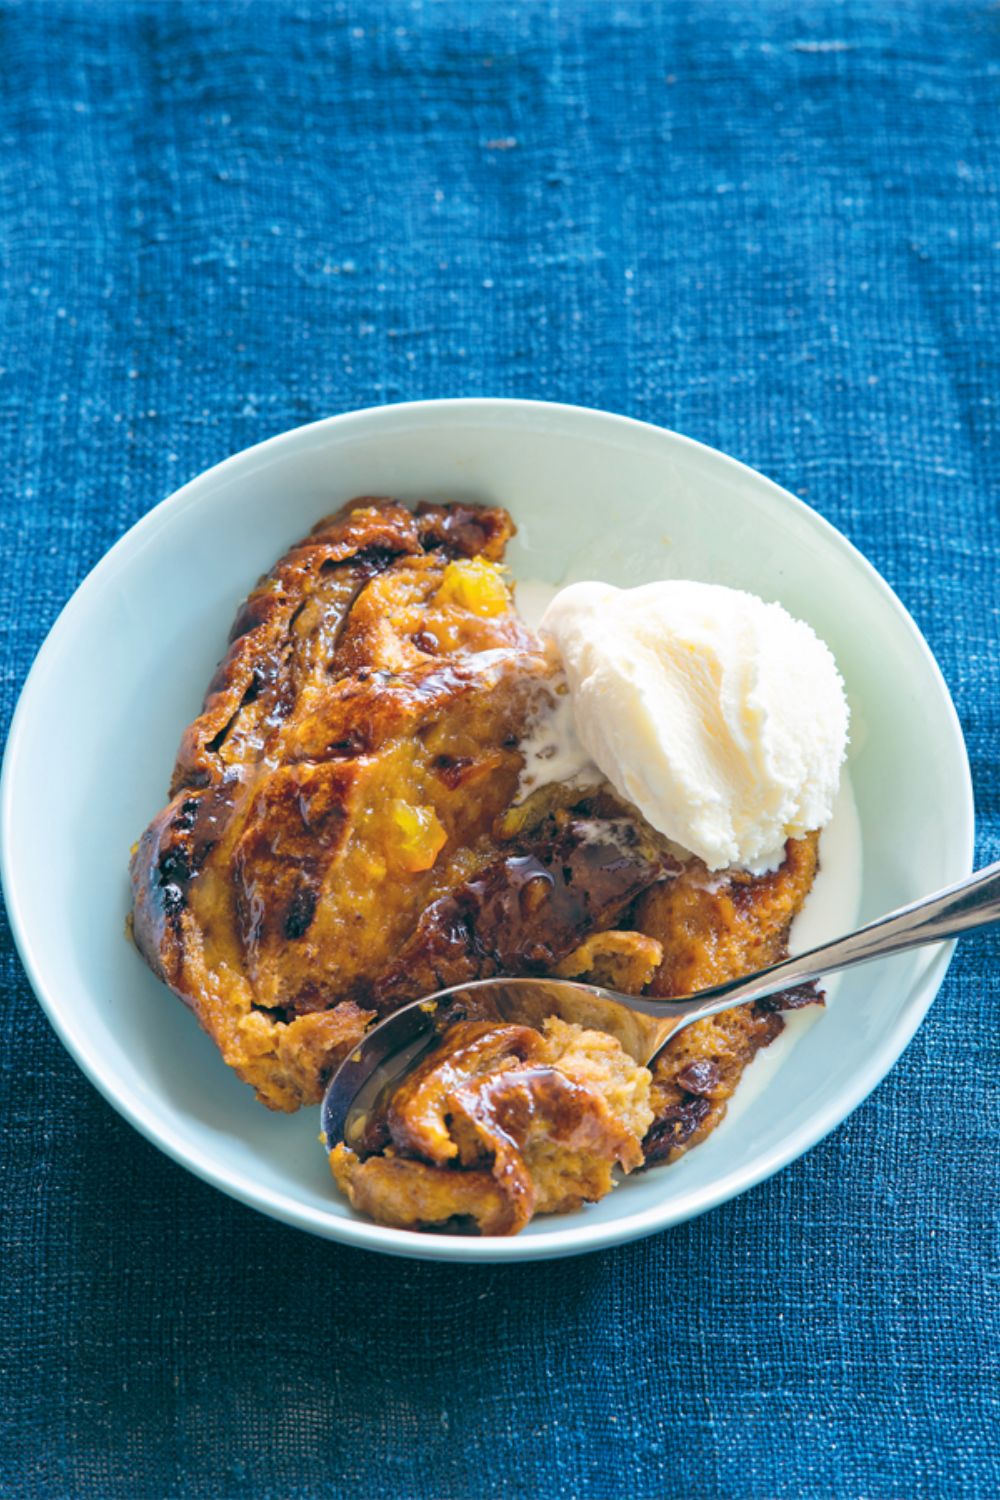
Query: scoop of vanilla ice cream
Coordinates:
[720,717]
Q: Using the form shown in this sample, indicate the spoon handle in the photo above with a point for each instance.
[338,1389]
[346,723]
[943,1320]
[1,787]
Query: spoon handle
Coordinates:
[973,902]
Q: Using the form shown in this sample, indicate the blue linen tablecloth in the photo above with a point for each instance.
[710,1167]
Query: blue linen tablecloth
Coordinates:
[772,225]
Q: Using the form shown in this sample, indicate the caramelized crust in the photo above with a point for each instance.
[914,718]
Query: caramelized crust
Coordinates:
[356,744]
[525,912]
[342,836]
[500,1122]
[331,843]
[407,1194]
[481,1133]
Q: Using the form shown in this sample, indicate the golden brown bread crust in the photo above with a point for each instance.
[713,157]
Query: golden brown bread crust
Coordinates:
[277,882]
[497,1123]
[344,783]
[341,836]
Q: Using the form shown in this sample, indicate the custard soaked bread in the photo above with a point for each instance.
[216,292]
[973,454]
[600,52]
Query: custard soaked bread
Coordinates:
[347,775]
[713,928]
[344,834]
[501,1122]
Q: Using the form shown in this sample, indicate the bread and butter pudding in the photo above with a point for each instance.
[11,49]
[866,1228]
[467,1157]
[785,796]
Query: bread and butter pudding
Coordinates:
[501,1122]
[350,827]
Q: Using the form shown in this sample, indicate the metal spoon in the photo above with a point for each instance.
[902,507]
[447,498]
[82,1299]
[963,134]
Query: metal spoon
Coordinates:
[642,1023]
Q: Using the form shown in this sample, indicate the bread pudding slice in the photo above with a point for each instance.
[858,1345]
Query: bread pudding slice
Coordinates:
[344,834]
[332,838]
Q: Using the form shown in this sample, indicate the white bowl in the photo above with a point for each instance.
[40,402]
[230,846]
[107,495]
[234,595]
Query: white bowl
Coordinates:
[125,665]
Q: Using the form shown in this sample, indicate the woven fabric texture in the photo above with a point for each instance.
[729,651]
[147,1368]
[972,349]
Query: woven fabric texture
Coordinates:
[772,225]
